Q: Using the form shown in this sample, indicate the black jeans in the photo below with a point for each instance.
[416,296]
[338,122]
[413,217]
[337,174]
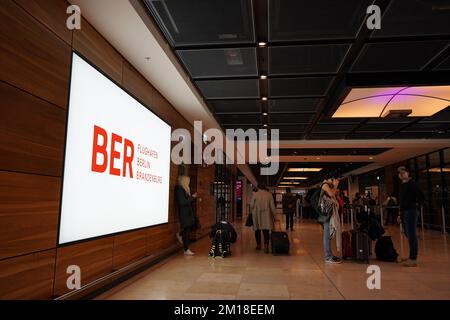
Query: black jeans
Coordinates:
[258,237]
[289,220]
[391,214]
[185,236]
[409,221]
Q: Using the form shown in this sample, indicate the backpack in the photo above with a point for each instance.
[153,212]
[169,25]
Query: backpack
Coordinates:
[322,213]
[220,247]
[384,249]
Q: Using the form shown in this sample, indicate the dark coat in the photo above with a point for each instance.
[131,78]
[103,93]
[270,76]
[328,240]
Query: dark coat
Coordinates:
[183,202]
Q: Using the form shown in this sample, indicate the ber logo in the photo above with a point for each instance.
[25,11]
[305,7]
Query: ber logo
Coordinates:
[108,151]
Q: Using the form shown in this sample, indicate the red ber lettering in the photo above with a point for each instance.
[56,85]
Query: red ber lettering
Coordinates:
[114,154]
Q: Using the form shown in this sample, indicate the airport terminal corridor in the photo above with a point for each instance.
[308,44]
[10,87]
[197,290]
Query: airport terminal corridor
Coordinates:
[252,275]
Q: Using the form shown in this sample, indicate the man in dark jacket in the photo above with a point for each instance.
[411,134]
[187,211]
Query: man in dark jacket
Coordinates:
[410,196]
[289,203]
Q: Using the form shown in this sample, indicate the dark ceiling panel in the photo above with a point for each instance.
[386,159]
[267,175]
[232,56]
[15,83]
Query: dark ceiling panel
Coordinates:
[444,65]
[299,87]
[411,135]
[293,20]
[332,151]
[229,89]
[326,136]
[290,128]
[326,128]
[427,127]
[415,18]
[397,56]
[310,59]
[373,127]
[292,136]
[220,63]
[442,116]
[295,118]
[201,22]
[368,135]
[294,105]
[236,106]
[238,119]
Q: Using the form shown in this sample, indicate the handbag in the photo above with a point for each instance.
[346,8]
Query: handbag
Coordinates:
[249,221]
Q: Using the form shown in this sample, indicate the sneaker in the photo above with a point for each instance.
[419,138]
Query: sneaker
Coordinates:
[180,239]
[333,260]
[409,263]
[189,253]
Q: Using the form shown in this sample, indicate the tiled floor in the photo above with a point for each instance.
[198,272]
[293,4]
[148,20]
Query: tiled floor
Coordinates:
[251,274]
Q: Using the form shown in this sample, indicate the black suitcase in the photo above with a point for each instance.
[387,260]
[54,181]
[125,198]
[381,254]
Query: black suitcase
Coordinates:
[280,242]
[361,245]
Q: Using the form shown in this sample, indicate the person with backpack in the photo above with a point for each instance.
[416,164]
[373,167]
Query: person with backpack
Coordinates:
[410,197]
[327,208]
[263,211]
[391,211]
[289,203]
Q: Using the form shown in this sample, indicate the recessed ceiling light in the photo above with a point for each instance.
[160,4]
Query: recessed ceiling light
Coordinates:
[263,77]
[264,98]
[265,125]
[265,114]
[262,44]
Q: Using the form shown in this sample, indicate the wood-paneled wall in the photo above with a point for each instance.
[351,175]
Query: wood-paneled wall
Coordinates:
[35,53]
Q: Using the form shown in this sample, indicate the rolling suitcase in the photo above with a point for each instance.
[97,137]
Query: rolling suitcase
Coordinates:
[347,246]
[361,246]
[280,242]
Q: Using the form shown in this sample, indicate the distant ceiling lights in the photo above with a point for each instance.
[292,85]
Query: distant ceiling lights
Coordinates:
[264,98]
[263,77]
[394,102]
[262,44]
[265,125]
[295,178]
[265,114]
[304,169]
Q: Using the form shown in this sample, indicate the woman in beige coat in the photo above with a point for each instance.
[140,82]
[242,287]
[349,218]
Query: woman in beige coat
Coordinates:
[263,210]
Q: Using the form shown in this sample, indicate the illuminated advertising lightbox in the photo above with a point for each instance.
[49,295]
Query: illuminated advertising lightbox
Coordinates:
[117,160]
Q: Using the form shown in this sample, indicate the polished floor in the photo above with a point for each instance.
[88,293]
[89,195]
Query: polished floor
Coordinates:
[253,275]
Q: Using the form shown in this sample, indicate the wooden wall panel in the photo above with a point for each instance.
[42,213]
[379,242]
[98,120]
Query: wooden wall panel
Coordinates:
[129,247]
[31,57]
[98,51]
[93,257]
[51,13]
[28,277]
[35,54]
[206,207]
[29,207]
[31,133]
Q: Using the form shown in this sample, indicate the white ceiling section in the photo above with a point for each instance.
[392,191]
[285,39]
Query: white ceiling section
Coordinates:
[120,24]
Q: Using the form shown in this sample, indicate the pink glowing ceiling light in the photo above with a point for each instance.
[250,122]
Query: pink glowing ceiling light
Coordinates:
[421,101]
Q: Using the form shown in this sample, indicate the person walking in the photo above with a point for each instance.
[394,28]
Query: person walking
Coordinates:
[289,202]
[410,197]
[183,202]
[263,210]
